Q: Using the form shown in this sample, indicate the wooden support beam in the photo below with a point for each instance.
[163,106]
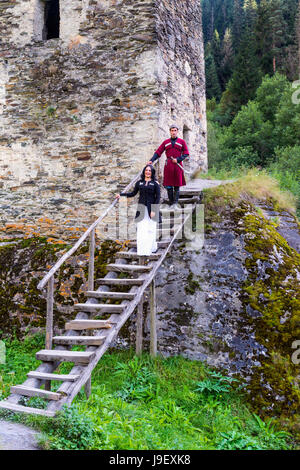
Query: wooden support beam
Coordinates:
[49,319]
[139,321]
[91,261]
[139,329]
[153,331]
[49,322]
[87,387]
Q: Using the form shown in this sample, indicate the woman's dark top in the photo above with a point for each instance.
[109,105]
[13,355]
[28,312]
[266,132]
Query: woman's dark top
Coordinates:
[149,194]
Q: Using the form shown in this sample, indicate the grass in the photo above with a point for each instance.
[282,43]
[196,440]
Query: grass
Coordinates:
[254,184]
[144,403]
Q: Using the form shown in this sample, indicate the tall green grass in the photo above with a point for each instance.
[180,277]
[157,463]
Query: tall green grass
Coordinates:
[144,403]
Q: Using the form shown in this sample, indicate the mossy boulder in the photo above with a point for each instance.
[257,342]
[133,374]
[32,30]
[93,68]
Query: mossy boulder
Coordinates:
[24,262]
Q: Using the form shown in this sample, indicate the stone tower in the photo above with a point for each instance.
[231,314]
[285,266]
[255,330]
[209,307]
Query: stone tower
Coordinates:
[88,89]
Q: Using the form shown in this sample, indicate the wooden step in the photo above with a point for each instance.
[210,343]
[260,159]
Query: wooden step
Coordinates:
[190,192]
[175,220]
[47,376]
[177,211]
[170,230]
[134,255]
[169,224]
[188,200]
[160,244]
[87,324]
[83,340]
[133,268]
[35,392]
[109,308]
[121,282]
[6,405]
[111,295]
[78,357]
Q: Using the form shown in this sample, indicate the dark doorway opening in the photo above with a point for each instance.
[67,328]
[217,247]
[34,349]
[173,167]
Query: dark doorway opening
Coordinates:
[52,19]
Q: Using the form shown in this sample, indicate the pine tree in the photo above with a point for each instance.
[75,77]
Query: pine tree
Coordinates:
[237,23]
[213,88]
[278,29]
[263,37]
[227,58]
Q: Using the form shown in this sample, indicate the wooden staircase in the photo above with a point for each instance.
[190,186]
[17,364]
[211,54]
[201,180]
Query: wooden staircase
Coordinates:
[88,330]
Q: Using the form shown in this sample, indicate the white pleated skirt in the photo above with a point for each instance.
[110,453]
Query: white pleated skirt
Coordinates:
[146,236]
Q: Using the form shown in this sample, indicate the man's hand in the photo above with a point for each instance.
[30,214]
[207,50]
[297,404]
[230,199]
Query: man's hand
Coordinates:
[149,163]
[152,214]
[174,160]
[118,196]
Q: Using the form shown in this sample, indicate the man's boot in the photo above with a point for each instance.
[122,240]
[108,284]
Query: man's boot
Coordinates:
[170,196]
[176,196]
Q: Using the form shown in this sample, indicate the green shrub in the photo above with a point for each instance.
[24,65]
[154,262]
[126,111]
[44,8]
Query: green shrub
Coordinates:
[71,430]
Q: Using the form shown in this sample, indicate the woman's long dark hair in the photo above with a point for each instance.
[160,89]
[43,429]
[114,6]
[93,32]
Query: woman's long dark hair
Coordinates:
[152,173]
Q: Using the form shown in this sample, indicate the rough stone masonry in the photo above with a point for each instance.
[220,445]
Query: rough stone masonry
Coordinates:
[81,113]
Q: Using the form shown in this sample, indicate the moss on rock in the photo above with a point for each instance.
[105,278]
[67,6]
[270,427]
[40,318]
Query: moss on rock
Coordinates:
[272,290]
[23,264]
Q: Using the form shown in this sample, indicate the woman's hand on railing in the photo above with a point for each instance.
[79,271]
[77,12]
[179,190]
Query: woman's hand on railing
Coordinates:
[118,196]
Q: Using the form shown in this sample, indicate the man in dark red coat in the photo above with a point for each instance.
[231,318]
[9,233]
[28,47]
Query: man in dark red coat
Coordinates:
[176,151]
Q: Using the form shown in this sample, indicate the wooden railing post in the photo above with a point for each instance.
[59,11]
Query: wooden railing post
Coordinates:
[153,331]
[49,319]
[87,387]
[139,328]
[91,261]
[139,321]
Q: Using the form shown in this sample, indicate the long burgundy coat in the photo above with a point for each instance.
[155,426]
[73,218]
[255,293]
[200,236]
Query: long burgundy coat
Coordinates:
[173,175]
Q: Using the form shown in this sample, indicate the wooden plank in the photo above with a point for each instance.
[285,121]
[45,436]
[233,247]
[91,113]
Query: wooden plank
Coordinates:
[110,295]
[121,282]
[67,356]
[58,377]
[175,210]
[127,268]
[87,324]
[174,220]
[188,200]
[6,405]
[167,230]
[190,191]
[83,340]
[110,308]
[35,392]
[160,244]
[130,255]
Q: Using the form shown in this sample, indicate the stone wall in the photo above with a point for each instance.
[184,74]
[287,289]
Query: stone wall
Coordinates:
[80,115]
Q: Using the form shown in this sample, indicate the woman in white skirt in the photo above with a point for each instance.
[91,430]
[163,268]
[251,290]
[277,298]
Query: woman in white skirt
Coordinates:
[147,215]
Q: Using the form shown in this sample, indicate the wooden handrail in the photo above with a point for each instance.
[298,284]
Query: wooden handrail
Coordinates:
[69,253]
